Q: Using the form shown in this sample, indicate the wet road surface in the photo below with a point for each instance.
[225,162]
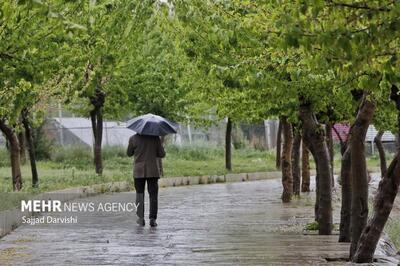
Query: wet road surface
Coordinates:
[225,224]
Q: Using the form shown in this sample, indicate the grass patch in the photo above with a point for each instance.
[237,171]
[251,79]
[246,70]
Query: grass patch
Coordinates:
[392,228]
[73,166]
[313,226]
[11,200]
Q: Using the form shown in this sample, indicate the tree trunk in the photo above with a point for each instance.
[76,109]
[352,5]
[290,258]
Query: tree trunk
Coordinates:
[22,147]
[96,116]
[305,169]
[31,148]
[296,162]
[287,177]
[97,126]
[345,177]
[279,146]
[381,150]
[228,145]
[359,201]
[14,155]
[329,142]
[383,203]
[313,135]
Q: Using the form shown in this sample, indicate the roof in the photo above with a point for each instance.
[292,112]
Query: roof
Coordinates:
[343,130]
[114,133]
[387,136]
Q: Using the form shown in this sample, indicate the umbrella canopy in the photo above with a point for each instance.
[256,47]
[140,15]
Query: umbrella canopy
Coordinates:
[152,125]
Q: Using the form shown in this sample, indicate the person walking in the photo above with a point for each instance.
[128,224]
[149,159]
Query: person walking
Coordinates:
[147,151]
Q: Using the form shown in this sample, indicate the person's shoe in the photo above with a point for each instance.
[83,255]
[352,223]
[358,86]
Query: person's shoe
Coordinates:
[153,223]
[141,222]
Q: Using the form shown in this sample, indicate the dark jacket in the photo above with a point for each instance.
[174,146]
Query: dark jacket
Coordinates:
[147,151]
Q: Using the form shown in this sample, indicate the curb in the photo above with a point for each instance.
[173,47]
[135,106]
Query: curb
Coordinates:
[212,179]
[11,219]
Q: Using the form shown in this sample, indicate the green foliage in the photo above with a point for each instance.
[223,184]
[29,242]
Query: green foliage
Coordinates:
[98,55]
[31,33]
[248,74]
[260,57]
[9,201]
[156,66]
[71,166]
[392,228]
[352,42]
[238,139]
[201,60]
[114,152]
[4,157]
[72,156]
[197,152]
[43,145]
[313,226]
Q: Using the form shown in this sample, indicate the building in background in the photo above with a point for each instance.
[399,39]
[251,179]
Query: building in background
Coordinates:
[69,131]
[78,131]
[388,139]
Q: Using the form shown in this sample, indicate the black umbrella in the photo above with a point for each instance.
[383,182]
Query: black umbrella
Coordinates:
[152,125]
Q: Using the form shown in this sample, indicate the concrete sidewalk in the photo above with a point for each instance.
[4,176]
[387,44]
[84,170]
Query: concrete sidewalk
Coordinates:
[225,224]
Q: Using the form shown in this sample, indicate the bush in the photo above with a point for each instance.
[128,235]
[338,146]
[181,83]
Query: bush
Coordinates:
[195,152]
[313,226]
[238,139]
[4,157]
[114,152]
[43,146]
[78,156]
[393,230]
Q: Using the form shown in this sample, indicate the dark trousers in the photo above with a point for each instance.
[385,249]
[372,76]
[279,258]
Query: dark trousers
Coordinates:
[152,188]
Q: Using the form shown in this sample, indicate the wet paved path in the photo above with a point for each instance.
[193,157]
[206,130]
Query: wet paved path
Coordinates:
[225,224]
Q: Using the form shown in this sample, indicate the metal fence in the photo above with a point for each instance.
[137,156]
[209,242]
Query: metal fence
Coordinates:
[72,131]
[78,131]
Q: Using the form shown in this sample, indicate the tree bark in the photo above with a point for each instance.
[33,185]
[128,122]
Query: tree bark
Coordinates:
[383,203]
[228,145]
[329,142]
[279,146]
[22,147]
[305,169]
[31,148]
[359,201]
[287,177]
[96,116]
[14,155]
[296,162]
[345,177]
[381,151]
[313,134]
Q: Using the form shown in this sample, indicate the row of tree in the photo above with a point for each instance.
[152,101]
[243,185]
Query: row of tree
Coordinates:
[101,59]
[310,63]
